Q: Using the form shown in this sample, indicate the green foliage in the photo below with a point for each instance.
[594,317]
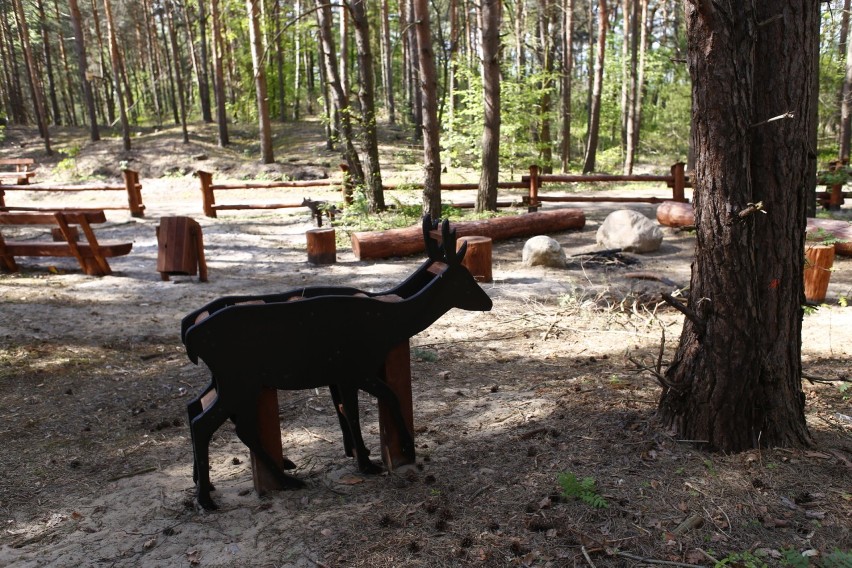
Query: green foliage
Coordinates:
[582,489]
[742,560]
[822,237]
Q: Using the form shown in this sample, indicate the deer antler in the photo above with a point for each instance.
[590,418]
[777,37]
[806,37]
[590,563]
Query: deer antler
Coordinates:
[432,248]
[449,244]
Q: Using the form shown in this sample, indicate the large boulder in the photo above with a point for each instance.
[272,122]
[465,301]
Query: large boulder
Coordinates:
[543,251]
[630,231]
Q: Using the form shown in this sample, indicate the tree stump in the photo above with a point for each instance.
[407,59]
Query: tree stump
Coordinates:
[818,262]
[477,259]
[322,248]
[397,375]
[180,248]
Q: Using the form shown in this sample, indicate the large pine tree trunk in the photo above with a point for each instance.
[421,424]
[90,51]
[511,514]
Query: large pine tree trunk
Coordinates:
[86,85]
[597,89]
[48,63]
[116,74]
[341,103]
[256,41]
[219,74]
[567,70]
[429,90]
[204,65]
[178,70]
[486,198]
[735,380]
[35,85]
[387,64]
[367,98]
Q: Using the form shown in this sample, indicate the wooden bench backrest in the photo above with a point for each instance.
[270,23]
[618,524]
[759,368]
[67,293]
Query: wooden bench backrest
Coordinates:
[21,164]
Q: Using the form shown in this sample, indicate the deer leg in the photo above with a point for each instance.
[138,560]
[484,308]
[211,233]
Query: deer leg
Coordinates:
[246,428]
[341,417]
[349,397]
[202,428]
[381,390]
[194,409]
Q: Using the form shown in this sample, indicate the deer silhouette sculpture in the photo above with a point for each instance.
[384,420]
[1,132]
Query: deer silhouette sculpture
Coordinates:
[335,337]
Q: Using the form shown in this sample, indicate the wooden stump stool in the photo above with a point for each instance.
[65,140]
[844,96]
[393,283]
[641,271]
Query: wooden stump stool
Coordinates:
[477,259]
[322,248]
[180,248]
[818,262]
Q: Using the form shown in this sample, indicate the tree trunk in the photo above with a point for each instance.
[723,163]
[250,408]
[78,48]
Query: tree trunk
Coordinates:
[343,60]
[11,71]
[256,41]
[110,95]
[333,83]
[35,85]
[735,380]
[67,78]
[170,15]
[429,90]
[545,54]
[633,90]
[85,83]
[116,74]
[567,70]
[48,63]
[297,71]
[366,96]
[200,78]
[486,198]
[597,88]
[219,74]
[204,64]
[279,62]
[846,107]
[387,64]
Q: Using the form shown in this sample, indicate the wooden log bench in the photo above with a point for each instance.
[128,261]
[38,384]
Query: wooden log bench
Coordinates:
[131,186]
[21,174]
[92,255]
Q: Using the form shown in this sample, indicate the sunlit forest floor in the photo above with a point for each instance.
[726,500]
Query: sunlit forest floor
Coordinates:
[97,460]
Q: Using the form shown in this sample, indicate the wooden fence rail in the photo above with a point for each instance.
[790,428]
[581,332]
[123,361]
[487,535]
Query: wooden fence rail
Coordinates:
[677,181]
[131,186]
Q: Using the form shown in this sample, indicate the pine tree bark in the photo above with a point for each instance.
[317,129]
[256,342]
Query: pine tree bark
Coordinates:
[219,74]
[48,63]
[486,198]
[341,102]
[35,85]
[735,380]
[567,80]
[429,90]
[170,15]
[387,64]
[597,89]
[204,64]
[116,74]
[367,98]
[545,55]
[85,83]
[260,89]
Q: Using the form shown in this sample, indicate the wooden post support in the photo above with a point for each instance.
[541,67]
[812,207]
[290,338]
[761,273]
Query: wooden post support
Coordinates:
[535,183]
[477,259]
[270,440]
[818,262]
[679,184]
[134,193]
[347,184]
[397,375]
[322,248]
[207,198]
[2,198]
[180,248]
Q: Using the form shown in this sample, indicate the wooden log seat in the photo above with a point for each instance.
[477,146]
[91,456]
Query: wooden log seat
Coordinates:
[92,255]
[21,173]
[180,248]
[675,214]
[322,248]
[477,259]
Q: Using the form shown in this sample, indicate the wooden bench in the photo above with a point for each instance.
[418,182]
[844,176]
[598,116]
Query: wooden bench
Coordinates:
[22,173]
[91,255]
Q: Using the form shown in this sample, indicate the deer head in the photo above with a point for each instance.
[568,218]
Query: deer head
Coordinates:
[466,291]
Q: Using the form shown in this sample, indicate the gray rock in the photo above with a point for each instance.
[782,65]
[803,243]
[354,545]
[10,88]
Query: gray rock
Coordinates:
[630,231]
[543,251]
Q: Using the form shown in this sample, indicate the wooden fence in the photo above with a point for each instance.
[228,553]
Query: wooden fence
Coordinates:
[131,186]
[534,182]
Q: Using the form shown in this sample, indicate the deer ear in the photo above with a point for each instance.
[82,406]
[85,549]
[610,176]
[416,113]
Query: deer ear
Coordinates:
[432,248]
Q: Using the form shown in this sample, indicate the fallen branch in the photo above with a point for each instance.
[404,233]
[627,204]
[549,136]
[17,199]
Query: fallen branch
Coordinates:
[690,315]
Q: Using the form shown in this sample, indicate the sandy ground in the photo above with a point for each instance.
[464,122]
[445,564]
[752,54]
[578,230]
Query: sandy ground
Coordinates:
[97,460]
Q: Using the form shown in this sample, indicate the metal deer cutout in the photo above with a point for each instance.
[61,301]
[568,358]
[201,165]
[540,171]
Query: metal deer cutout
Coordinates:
[311,337]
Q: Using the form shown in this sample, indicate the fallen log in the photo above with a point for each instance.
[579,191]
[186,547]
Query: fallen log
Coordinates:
[403,242]
[675,214]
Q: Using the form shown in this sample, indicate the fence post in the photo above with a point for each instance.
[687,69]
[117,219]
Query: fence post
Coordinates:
[347,184]
[134,194]
[535,183]
[679,182]
[206,179]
